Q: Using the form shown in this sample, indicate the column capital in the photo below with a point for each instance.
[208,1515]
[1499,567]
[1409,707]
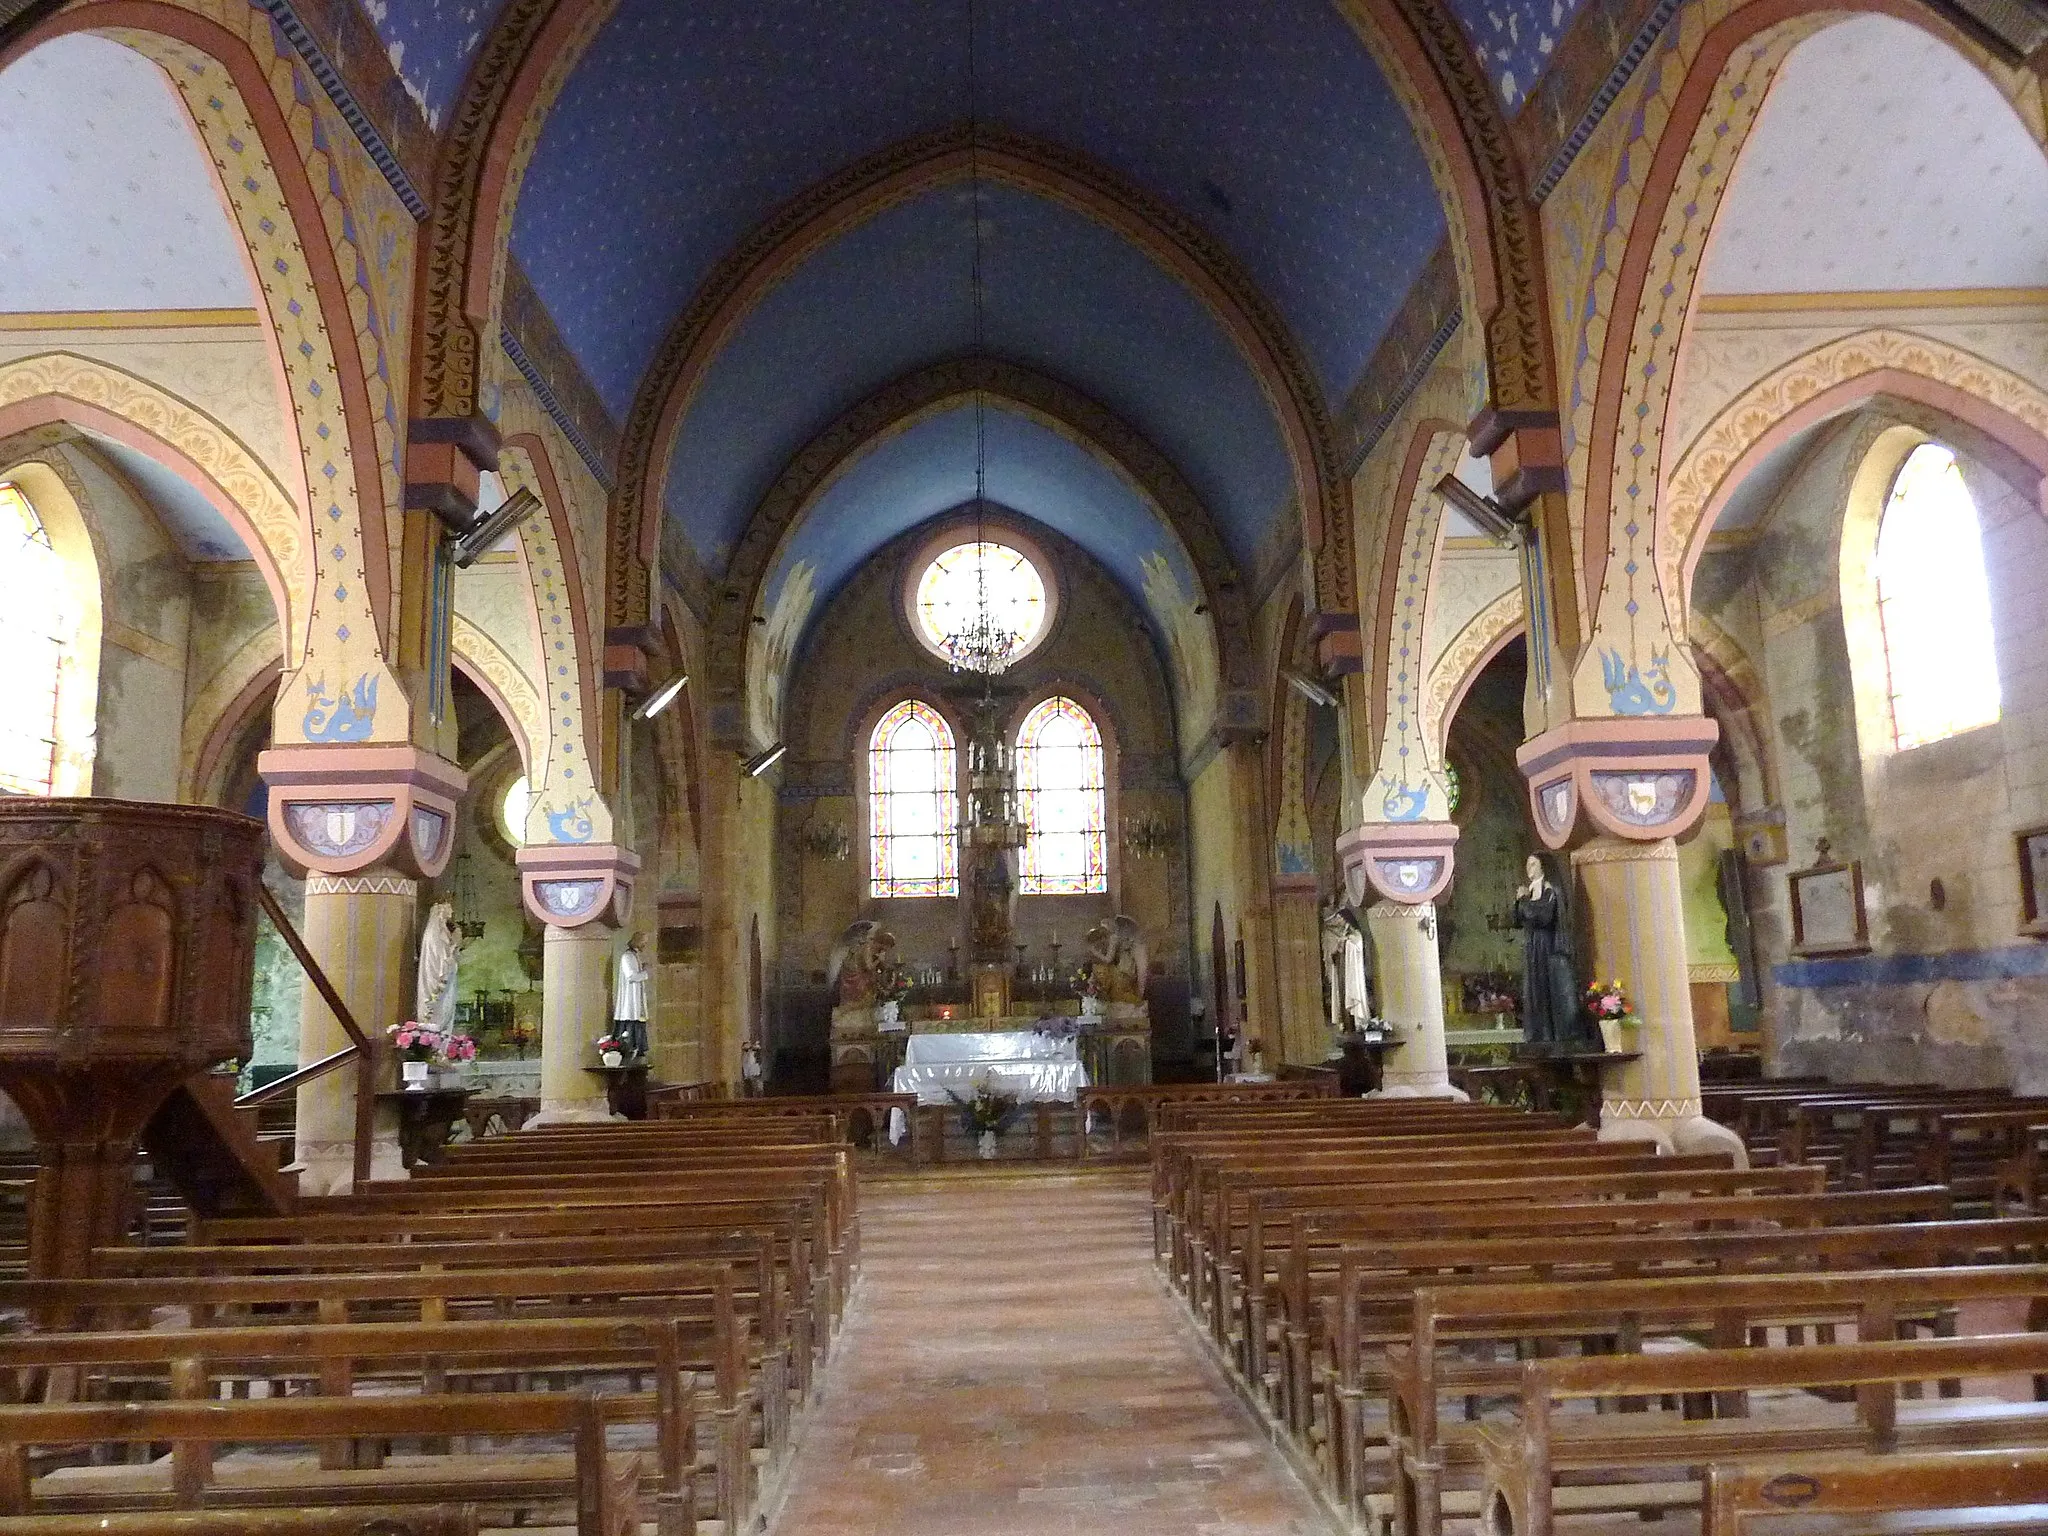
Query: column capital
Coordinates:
[335,810]
[1637,778]
[575,885]
[1407,862]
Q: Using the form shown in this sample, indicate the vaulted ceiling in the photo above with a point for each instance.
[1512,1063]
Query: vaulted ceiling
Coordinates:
[1264,135]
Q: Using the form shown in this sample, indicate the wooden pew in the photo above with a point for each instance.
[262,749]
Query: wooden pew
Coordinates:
[1605,1314]
[1984,1493]
[1522,1458]
[1311,1243]
[373,1520]
[601,1487]
[710,1322]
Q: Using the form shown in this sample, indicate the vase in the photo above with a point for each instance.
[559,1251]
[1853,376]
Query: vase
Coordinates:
[613,1059]
[987,1145]
[1091,1007]
[415,1074]
[888,1014]
[1618,1035]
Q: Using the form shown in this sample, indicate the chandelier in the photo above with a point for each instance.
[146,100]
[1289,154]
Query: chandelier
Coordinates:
[983,645]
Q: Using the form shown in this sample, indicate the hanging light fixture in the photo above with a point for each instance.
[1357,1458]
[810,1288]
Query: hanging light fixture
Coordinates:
[983,645]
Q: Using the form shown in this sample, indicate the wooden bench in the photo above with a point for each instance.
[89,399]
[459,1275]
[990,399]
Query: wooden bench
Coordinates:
[600,1486]
[1607,1315]
[1982,1493]
[375,1520]
[711,1322]
[1522,1458]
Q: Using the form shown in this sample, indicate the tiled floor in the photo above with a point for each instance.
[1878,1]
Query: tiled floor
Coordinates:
[1011,1368]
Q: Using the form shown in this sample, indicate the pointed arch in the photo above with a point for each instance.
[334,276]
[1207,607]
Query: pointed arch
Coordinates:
[913,803]
[1063,799]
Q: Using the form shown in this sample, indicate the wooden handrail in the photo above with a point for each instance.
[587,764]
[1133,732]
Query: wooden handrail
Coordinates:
[296,1079]
[362,1049]
[314,974]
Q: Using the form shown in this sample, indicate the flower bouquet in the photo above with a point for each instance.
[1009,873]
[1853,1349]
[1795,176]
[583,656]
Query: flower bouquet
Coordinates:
[1610,1008]
[986,1115]
[417,1045]
[611,1050]
[456,1049]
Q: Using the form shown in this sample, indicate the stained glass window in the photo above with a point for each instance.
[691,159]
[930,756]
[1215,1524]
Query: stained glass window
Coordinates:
[948,592]
[913,805]
[1934,603]
[34,630]
[1060,796]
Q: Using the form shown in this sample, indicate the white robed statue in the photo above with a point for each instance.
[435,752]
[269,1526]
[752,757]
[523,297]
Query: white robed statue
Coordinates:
[629,998]
[434,995]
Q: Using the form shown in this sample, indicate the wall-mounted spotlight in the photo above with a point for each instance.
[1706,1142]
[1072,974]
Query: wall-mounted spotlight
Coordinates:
[662,697]
[761,762]
[1493,521]
[483,531]
[1309,688]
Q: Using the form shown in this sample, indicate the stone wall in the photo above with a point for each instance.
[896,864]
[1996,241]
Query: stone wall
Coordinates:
[1948,991]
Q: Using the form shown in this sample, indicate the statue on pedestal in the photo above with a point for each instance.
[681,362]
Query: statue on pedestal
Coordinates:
[1550,987]
[629,998]
[1117,961]
[1349,998]
[434,991]
[851,972]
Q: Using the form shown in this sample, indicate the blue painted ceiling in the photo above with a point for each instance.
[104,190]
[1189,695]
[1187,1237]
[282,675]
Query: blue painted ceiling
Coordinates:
[928,468]
[1514,39]
[687,124]
[1064,295]
[431,43]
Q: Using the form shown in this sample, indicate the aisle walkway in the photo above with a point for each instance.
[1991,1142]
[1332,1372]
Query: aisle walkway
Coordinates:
[1012,1368]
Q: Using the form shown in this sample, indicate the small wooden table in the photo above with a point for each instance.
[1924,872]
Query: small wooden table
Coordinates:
[1569,1083]
[1364,1063]
[625,1088]
[425,1119]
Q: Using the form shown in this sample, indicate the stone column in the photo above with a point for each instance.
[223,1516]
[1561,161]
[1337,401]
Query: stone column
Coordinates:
[582,893]
[360,929]
[362,825]
[1408,865]
[1620,791]
[1411,978]
[1638,924]
[574,1010]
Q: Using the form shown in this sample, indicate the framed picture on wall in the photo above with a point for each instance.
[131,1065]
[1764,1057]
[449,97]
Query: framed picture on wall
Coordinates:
[1827,907]
[2033,857]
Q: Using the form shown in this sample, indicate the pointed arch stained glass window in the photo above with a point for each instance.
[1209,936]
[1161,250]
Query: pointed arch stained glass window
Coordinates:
[1061,798]
[1934,603]
[33,625]
[913,805]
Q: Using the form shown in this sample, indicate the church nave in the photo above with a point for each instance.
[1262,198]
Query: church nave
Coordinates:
[1012,1364]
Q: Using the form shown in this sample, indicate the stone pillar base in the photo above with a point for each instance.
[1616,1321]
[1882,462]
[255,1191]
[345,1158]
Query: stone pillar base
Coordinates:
[1421,1090]
[573,1112]
[1678,1135]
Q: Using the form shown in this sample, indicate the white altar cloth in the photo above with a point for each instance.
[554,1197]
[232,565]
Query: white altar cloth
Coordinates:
[1026,1065]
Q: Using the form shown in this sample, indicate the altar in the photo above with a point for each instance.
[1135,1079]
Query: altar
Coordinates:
[1028,1066]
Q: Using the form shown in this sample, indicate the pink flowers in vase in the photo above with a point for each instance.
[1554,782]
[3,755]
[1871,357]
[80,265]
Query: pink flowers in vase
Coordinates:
[415,1041]
[1607,1000]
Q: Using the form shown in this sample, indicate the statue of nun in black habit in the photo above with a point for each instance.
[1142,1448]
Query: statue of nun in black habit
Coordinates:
[1551,1022]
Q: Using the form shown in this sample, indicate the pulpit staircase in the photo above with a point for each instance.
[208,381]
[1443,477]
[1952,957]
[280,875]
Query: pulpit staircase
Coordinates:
[209,1144]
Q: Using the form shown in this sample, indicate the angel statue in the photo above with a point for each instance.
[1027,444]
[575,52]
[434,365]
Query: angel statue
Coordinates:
[434,992]
[1117,960]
